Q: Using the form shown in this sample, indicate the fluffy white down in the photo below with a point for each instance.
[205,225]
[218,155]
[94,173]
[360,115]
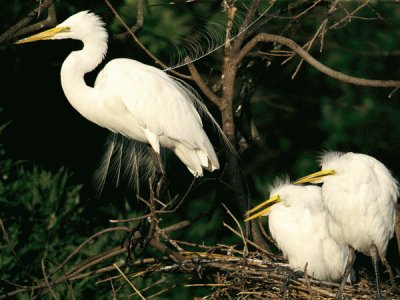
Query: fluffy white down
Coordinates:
[360,200]
[298,225]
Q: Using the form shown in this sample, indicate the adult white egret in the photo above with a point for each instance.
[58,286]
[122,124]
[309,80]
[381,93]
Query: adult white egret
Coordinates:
[297,221]
[360,195]
[132,99]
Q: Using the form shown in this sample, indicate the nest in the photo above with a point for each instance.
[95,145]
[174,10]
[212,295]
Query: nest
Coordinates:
[245,270]
[234,274]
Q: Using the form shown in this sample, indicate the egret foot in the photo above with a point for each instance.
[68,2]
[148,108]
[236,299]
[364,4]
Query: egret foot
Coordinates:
[394,286]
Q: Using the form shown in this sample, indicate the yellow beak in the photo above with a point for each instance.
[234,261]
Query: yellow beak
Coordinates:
[315,177]
[274,200]
[44,35]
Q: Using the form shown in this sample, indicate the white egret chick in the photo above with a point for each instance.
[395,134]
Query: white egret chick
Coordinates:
[132,99]
[297,221]
[360,195]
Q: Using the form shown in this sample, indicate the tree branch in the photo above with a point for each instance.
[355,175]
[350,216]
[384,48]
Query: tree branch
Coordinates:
[265,37]
[160,63]
[20,28]
[139,22]
[202,85]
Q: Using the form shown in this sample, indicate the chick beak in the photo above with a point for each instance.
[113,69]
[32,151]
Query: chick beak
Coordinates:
[315,177]
[269,202]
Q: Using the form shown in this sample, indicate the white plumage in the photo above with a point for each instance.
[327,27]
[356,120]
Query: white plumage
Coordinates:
[360,199]
[297,221]
[135,100]
[360,195]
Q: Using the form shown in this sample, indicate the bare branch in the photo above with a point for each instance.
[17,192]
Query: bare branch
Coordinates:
[246,22]
[130,283]
[21,27]
[202,85]
[156,60]
[46,279]
[139,22]
[265,37]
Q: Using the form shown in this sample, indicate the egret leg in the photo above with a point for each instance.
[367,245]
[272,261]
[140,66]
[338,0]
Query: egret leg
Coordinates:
[349,265]
[160,180]
[389,269]
[373,251]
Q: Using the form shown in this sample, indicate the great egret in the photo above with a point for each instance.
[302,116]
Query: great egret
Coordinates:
[130,98]
[297,222]
[360,195]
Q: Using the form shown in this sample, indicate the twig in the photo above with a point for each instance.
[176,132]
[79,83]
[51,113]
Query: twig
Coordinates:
[139,22]
[245,249]
[156,60]
[202,85]
[130,219]
[177,226]
[130,283]
[247,240]
[47,280]
[174,203]
[9,244]
[71,290]
[349,16]
[264,233]
[113,229]
[96,259]
[245,24]
[19,28]
[308,281]
[113,290]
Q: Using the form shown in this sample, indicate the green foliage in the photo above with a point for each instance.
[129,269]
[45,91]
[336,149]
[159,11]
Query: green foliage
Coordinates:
[38,210]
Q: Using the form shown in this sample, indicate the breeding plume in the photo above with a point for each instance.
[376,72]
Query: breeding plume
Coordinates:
[297,221]
[360,195]
[132,99]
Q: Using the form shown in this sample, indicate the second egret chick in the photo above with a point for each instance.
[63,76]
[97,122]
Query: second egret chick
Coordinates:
[298,224]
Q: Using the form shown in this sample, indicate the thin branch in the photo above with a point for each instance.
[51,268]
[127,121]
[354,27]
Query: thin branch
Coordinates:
[139,22]
[137,41]
[71,290]
[246,22]
[21,28]
[265,234]
[175,203]
[130,283]
[202,85]
[247,240]
[265,37]
[92,261]
[349,16]
[9,243]
[113,229]
[308,281]
[245,249]
[46,279]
